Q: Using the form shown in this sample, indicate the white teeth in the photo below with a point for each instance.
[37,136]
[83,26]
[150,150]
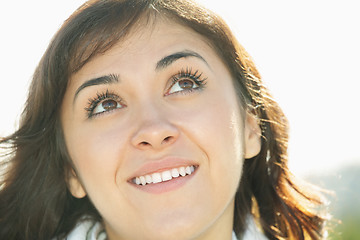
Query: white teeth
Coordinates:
[182,171]
[175,173]
[156,177]
[164,176]
[148,179]
[142,180]
[137,181]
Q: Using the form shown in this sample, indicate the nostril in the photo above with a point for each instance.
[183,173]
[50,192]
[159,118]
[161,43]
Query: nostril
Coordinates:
[144,143]
[166,140]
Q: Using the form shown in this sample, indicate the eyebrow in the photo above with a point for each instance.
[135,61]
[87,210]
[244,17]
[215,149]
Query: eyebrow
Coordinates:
[106,79]
[168,60]
[161,64]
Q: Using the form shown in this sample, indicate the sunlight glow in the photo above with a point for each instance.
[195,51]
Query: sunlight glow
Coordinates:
[307,52]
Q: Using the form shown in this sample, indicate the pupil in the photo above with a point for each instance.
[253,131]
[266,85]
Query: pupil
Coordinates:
[186,84]
[109,104]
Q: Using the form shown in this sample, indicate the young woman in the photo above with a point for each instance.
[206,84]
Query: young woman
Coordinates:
[147,120]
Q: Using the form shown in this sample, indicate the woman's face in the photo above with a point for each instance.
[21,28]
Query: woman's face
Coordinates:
[155,132]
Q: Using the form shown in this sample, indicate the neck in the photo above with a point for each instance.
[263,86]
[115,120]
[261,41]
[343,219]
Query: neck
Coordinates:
[222,227]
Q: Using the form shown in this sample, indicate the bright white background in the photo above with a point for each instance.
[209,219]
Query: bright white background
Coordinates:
[306,50]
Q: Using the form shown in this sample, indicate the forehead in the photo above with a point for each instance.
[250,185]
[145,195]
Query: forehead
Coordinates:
[157,39]
[163,29]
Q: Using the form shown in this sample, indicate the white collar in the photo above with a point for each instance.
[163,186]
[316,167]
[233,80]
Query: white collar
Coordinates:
[89,230]
[252,232]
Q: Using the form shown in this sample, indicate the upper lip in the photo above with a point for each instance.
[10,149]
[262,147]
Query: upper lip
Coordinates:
[161,165]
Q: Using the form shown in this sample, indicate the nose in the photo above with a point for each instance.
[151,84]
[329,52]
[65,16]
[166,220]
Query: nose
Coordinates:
[154,132]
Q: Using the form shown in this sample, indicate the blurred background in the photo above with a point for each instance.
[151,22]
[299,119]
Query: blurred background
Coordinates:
[307,52]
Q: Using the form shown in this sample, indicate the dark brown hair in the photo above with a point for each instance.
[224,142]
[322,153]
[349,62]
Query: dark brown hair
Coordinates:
[35,202]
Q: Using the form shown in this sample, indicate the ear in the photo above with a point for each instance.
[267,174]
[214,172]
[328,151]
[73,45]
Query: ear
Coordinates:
[252,136]
[74,185]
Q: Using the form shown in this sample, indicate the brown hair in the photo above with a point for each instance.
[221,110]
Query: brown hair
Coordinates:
[35,202]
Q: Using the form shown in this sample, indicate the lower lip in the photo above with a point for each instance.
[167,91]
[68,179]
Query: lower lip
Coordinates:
[167,186]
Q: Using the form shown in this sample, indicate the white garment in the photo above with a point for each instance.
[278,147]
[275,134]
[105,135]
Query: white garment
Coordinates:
[252,232]
[88,230]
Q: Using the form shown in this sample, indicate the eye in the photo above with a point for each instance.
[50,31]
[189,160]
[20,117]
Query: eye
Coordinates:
[182,85]
[186,81]
[105,106]
[103,103]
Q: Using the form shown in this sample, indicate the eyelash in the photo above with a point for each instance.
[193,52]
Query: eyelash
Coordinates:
[94,102]
[183,74]
[188,73]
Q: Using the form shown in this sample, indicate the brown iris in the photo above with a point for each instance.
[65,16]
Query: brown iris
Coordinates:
[186,84]
[109,104]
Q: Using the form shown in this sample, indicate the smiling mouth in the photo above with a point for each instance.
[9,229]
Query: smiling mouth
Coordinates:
[164,176]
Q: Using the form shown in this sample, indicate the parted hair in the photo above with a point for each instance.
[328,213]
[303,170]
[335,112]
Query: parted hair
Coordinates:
[35,202]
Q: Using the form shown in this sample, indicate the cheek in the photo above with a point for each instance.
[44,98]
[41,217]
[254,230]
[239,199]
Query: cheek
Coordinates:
[217,129]
[226,154]
[95,151]
[218,126]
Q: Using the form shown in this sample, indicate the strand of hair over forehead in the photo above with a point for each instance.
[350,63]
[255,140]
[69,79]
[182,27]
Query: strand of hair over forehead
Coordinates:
[137,3]
[92,30]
